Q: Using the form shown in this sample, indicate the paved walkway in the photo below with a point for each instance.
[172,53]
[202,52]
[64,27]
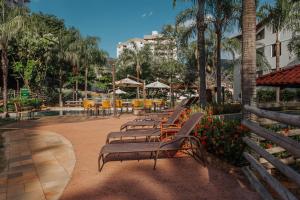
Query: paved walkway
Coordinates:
[174,179]
[39,166]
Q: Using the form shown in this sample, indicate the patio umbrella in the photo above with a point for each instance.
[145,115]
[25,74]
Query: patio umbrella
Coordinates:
[127,82]
[158,85]
[118,91]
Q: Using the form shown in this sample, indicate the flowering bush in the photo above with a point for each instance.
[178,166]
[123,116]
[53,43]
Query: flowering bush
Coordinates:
[223,138]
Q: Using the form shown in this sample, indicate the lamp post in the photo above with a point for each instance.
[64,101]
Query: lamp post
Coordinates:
[114,89]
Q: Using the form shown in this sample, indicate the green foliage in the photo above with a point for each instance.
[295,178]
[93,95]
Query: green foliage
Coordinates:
[223,138]
[28,102]
[219,109]
[267,95]
[287,95]
[298,94]
[25,70]
[264,96]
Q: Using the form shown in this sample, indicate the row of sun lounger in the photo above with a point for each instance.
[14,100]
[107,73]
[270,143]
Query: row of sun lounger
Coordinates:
[144,139]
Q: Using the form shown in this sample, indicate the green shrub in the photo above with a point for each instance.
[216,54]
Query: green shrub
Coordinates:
[218,109]
[287,95]
[298,94]
[223,138]
[25,102]
[266,96]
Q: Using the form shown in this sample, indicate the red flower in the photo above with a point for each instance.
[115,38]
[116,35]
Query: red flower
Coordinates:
[269,146]
[286,132]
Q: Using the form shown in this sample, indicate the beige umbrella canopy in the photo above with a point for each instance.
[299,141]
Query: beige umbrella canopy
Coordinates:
[127,82]
[119,91]
[158,85]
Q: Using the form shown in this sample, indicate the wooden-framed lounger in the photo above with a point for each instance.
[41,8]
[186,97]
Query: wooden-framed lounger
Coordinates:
[152,123]
[186,103]
[151,134]
[155,148]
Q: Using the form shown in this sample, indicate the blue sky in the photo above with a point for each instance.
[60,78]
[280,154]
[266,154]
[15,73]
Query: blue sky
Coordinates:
[112,20]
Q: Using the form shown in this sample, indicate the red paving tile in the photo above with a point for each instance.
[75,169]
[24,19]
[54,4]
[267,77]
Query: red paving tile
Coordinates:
[175,179]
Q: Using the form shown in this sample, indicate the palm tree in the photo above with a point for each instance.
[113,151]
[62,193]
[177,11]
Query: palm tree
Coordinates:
[135,56]
[199,9]
[278,17]
[249,54]
[88,55]
[222,14]
[73,57]
[8,29]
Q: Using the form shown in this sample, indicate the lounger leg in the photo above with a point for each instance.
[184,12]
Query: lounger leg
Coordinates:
[101,157]
[155,160]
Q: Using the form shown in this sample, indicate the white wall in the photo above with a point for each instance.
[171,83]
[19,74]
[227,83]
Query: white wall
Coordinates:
[270,39]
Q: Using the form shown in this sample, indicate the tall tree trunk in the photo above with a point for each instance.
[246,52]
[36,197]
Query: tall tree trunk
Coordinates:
[86,81]
[4,62]
[277,64]
[218,66]
[60,96]
[76,90]
[201,51]
[248,55]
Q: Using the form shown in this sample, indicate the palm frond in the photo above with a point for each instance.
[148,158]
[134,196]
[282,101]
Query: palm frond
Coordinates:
[186,15]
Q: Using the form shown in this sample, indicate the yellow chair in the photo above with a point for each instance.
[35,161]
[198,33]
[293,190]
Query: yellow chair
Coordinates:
[119,104]
[106,106]
[148,103]
[136,104]
[88,105]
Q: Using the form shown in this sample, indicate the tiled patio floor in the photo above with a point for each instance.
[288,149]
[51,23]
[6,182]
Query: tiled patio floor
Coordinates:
[39,165]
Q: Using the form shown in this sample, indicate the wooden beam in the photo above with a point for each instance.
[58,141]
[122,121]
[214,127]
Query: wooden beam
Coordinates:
[275,184]
[286,170]
[276,116]
[289,144]
[262,191]
[286,161]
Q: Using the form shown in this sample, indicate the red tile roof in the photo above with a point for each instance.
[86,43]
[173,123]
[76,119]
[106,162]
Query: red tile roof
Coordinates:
[288,76]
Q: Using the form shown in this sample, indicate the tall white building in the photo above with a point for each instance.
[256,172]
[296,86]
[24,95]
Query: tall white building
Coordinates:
[153,40]
[266,44]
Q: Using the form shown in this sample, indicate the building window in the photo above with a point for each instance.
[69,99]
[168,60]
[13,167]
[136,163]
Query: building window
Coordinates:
[260,35]
[273,51]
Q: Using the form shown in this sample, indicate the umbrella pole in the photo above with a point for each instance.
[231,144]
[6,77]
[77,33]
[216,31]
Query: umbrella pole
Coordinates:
[144,90]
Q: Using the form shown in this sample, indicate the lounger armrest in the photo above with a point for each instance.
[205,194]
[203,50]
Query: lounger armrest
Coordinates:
[166,126]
